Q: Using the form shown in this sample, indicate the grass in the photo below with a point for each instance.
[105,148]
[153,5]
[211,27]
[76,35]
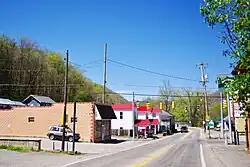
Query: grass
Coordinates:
[15,148]
[25,149]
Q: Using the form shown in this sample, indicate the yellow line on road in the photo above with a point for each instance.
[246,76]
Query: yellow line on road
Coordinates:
[152,156]
[186,135]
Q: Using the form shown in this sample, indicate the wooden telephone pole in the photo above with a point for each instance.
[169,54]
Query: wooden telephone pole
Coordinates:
[65,98]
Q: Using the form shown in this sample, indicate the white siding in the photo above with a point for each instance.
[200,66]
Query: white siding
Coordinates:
[125,123]
[141,115]
[157,116]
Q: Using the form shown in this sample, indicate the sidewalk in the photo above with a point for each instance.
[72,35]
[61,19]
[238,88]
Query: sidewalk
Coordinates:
[217,152]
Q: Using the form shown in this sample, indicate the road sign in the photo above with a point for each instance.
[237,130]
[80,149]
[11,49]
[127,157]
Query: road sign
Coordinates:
[222,82]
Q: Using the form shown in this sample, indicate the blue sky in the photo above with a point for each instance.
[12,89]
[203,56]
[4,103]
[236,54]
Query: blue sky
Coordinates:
[163,36]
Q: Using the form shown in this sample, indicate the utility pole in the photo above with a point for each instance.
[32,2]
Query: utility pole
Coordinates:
[229,118]
[204,81]
[104,73]
[74,128]
[221,115]
[65,98]
[133,110]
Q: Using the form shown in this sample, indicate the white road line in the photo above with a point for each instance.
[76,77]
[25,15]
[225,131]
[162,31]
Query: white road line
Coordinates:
[108,154]
[203,163]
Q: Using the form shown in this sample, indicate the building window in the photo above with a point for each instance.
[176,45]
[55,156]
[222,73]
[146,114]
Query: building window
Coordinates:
[31,119]
[154,114]
[121,115]
[121,128]
[73,120]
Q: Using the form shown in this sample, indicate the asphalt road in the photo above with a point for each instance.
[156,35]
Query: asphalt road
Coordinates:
[181,150]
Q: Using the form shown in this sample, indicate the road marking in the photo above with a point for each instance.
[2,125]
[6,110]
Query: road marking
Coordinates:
[152,157]
[186,135]
[203,164]
[108,154]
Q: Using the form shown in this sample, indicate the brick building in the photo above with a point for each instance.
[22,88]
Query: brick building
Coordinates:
[93,120]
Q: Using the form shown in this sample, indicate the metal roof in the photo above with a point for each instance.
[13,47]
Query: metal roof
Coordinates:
[6,101]
[41,99]
[10,102]
[165,115]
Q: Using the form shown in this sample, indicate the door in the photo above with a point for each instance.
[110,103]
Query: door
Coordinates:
[103,132]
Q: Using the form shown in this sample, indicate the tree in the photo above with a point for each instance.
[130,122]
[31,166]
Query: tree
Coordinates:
[167,94]
[26,69]
[233,18]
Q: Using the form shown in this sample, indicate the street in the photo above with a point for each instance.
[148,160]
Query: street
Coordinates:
[191,149]
[178,150]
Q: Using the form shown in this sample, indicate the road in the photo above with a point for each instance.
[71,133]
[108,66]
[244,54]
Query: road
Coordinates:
[178,151]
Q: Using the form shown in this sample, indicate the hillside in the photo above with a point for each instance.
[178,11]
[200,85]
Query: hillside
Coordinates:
[27,69]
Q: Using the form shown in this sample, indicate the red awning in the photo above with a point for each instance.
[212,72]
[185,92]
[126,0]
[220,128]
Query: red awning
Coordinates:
[142,122]
[142,109]
[155,110]
[154,121]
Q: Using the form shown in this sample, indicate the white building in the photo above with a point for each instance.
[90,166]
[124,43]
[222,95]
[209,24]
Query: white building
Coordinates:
[124,116]
[144,119]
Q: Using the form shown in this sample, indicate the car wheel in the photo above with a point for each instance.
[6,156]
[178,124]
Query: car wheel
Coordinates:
[51,137]
[71,139]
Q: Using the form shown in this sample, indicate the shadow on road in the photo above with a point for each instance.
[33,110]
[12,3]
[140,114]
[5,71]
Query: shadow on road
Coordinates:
[113,141]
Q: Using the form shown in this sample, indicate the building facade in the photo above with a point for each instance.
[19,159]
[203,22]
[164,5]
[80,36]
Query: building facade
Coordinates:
[93,120]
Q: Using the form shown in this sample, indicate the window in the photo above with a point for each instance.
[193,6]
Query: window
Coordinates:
[72,119]
[31,119]
[154,114]
[121,115]
[54,129]
[121,128]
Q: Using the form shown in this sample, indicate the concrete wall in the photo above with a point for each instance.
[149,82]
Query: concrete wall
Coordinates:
[14,122]
[33,144]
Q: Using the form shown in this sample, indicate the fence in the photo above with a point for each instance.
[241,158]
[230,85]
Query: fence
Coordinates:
[122,132]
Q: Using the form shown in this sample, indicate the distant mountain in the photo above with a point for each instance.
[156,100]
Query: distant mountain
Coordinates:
[27,69]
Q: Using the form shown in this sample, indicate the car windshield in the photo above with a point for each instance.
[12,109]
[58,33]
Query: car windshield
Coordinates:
[68,130]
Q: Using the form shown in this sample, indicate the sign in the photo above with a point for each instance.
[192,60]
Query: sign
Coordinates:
[222,82]
[235,109]
[63,117]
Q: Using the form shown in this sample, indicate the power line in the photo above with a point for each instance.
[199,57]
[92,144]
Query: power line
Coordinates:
[152,72]
[158,86]
[157,95]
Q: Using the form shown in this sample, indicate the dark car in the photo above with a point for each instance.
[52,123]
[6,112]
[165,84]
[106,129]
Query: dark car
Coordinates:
[184,129]
[56,132]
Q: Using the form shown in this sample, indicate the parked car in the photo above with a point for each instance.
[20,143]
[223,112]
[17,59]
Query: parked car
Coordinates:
[56,132]
[184,129]
[217,128]
[141,133]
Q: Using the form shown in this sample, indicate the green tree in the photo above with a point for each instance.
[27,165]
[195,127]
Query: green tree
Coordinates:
[26,69]
[233,18]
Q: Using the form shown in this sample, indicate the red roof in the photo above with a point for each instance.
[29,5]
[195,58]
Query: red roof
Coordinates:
[122,106]
[155,110]
[142,109]
[142,122]
[154,121]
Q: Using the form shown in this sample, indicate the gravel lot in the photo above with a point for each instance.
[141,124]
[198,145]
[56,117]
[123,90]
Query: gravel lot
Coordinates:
[36,159]
[45,159]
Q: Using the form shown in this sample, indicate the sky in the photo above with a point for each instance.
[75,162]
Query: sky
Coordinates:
[162,36]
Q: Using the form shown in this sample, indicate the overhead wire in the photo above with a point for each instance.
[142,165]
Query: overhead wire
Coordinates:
[152,72]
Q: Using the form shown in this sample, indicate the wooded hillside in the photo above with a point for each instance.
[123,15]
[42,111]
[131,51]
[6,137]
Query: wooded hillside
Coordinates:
[27,69]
